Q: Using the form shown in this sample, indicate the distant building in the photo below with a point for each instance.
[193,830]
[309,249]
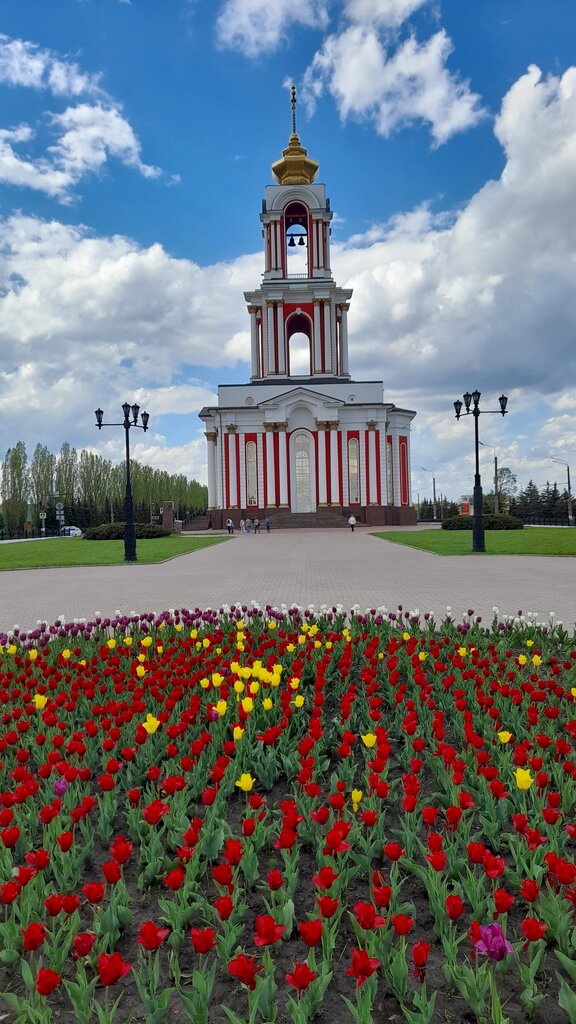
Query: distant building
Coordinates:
[303,436]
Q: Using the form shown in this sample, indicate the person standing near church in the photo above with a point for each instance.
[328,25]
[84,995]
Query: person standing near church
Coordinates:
[256,526]
[352,522]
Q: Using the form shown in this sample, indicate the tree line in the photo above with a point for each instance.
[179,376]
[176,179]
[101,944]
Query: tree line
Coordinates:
[88,487]
[548,503]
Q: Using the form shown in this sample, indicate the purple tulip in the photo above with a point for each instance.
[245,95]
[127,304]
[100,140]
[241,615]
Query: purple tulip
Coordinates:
[493,943]
[60,787]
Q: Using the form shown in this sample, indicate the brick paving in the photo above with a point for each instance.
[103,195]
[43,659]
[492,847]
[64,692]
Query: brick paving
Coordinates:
[297,566]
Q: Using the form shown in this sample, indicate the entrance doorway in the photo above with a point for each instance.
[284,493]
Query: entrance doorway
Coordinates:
[303,491]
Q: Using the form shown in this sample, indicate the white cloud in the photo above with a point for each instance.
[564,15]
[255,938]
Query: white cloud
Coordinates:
[387,13]
[392,88]
[23,63]
[260,26]
[87,134]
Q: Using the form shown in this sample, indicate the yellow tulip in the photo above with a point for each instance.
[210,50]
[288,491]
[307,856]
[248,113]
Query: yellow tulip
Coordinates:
[221,707]
[141,657]
[40,701]
[405,636]
[140,671]
[536,659]
[271,624]
[301,639]
[205,683]
[193,634]
[66,654]
[247,705]
[369,740]
[422,656]
[151,724]
[462,652]
[217,679]
[32,654]
[241,625]
[178,627]
[240,647]
[205,643]
[278,669]
[237,733]
[504,736]
[573,692]
[253,688]
[238,686]
[329,645]
[267,704]
[522,659]
[128,641]
[529,643]
[12,649]
[111,643]
[290,648]
[294,683]
[298,701]
[356,795]
[523,778]
[245,782]
[159,649]
[146,641]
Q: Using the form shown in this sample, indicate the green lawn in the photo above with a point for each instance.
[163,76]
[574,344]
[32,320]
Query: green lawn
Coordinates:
[532,540]
[62,551]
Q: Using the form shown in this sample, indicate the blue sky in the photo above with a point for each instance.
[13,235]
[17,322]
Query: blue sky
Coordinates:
[135,144]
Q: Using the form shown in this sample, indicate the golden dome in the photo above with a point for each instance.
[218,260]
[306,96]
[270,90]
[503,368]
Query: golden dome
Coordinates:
[295,167]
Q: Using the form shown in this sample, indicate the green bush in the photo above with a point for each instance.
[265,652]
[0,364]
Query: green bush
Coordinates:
[115,531]
[502,522]
[457,523]
[491,522]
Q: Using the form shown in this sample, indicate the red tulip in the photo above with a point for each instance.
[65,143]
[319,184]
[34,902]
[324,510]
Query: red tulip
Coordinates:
[420,952]
[82,944]
[454,907]
[203,939]
[503,901]
[65,841]
[530,890]
[244,969]
[121,849]
[53,904]
[274,879]
[94,891]
[111,967]
[174,880]
[325,878]
[533,929]
[402,924]
[155,811]
[267,930]
[112,871]
[150,936]
[33,936]
[9,892]
[301,976]
[223,907]
[367,917]
[394,851]
[327,906]
[311,931]
[363,966]
[47,981]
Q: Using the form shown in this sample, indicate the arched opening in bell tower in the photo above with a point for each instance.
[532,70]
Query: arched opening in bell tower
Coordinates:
[296,239]
[299,345]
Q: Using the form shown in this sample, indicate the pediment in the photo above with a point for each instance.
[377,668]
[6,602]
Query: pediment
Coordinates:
[302,396]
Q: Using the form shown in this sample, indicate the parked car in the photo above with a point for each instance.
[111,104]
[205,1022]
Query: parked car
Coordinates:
[70,531]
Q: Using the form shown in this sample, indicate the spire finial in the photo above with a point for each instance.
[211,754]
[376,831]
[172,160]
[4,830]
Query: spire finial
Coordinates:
[293,105]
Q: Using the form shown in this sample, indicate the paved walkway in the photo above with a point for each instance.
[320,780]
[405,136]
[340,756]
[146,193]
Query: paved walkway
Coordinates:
[297,566]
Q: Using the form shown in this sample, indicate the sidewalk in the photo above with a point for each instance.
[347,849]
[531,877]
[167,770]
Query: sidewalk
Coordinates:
[302,567]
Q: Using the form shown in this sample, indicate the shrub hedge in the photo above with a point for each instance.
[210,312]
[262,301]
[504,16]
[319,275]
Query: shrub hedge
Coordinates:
[115,531]
[491,522]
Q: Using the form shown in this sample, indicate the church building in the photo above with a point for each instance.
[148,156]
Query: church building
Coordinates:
[303,443]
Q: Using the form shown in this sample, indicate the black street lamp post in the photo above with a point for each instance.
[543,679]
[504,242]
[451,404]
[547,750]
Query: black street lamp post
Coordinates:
[129,529]
[569,492]
[486,444]
[478,517]
[431,471]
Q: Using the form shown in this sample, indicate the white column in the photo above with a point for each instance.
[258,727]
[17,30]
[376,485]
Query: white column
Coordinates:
[317,350]
[282,453]
[372,467]
[344,340]
[395,466]
[363,467]
[281,342]
[254,346]
[270,475]
[327,337]
[334,481]
[345,491]
[212,489]
[270,345]
[279,246]
[242,480]
[232,474]
[322,489]
[273,263]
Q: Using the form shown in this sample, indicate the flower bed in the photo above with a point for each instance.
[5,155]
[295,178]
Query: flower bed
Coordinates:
[261,816]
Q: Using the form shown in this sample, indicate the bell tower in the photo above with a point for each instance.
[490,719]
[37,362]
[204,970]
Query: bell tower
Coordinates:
[298,317]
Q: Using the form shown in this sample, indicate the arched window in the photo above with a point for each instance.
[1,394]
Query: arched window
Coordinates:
[296,239]
[299,344]
[251,475]
[353,471]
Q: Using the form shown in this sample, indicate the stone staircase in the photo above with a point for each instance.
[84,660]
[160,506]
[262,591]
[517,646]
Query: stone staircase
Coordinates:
[283,519]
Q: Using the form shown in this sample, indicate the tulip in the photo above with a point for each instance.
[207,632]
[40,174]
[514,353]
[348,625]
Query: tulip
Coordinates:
[301,976]
[363,966]
[244,969]
[203,939]
[111,968]
[46,981]
[151,937]
[523,778]
[245,782]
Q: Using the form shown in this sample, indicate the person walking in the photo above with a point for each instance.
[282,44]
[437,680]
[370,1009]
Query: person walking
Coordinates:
[256,526]
[242,526]
[230,526]
[248,525]
[352,522]
[267,524]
